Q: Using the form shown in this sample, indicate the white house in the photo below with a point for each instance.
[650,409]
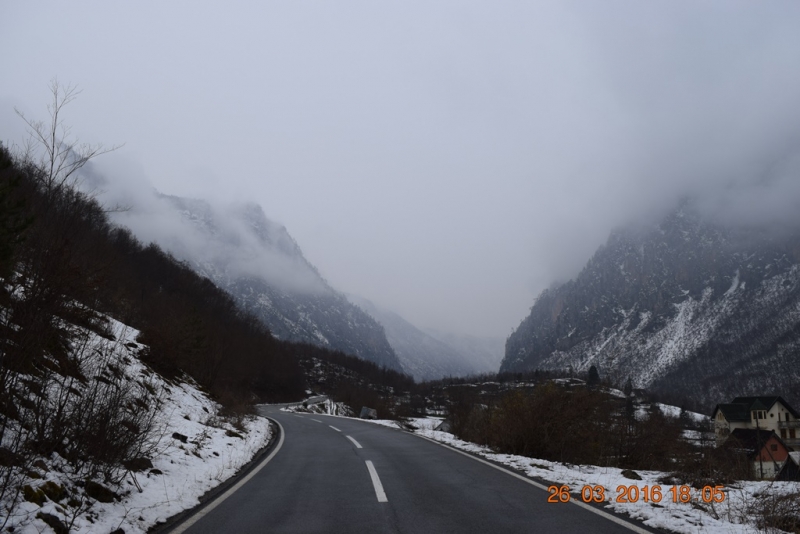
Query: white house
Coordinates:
[760,413]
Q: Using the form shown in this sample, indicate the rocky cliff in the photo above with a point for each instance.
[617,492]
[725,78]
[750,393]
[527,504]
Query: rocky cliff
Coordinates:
[686,307]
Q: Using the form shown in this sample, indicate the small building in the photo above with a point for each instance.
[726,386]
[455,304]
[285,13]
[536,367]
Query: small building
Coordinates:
[760,413]
[791,468]
[445,426]
[764,450]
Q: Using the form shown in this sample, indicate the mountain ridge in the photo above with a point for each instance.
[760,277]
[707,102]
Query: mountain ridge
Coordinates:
[259,263]
[686,307]
[422,356]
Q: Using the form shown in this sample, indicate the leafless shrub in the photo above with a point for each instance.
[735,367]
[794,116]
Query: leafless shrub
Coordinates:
[113,420]
[575,425]
[775,512]
[96,426]
[51,148]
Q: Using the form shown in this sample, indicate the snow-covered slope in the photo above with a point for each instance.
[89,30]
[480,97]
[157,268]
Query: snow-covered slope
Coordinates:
[192,448]
[687,307]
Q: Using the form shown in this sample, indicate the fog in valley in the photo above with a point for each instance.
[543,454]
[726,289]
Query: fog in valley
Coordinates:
[448,160]
[233,237]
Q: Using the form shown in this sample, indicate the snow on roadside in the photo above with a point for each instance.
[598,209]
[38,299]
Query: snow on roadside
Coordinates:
[215,448]
[323,407]
[674,411]
[729,516]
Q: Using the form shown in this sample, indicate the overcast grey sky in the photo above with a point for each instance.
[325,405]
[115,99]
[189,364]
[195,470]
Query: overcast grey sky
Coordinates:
[447,160]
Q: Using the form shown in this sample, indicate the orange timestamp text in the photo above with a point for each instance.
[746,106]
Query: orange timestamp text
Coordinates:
[630,494]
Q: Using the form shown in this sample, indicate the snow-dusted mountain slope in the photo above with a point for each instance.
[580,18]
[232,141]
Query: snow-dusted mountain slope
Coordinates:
[258,262]
[421,355]
[686,306]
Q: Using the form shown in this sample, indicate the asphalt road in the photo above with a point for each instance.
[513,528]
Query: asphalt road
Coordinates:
[343,475]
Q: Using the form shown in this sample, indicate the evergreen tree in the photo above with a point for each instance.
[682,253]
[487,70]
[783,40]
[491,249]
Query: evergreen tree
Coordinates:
[13,220]
[594,377]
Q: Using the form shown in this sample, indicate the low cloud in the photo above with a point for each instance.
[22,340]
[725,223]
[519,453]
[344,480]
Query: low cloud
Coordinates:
[447,160]
[225,239]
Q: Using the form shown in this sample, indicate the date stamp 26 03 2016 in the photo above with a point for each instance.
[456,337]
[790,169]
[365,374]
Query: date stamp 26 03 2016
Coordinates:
[631,494]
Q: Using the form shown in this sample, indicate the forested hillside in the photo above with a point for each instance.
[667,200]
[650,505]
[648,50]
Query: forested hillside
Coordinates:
[252,258]
[63,261]
[262,267]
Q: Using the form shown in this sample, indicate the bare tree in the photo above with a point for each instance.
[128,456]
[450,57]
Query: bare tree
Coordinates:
[51,148]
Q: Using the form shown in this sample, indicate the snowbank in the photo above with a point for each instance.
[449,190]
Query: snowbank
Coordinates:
[196,450]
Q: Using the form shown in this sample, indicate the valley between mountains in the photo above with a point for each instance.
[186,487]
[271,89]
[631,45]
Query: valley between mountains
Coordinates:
[154,373]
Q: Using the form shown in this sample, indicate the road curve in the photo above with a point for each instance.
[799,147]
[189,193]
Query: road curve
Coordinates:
[335,475]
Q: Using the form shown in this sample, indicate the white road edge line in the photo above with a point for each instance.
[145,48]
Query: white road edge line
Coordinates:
[216,502]
[357,444]
[333,427]
[592,509]
[376,481]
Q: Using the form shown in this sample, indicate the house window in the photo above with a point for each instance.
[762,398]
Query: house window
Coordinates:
[773,447]
[791,433]
[783,433]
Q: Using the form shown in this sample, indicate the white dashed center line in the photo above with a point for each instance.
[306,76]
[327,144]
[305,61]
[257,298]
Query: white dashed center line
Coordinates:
[317,420]
[333,427]
[357,444]
[376,482]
